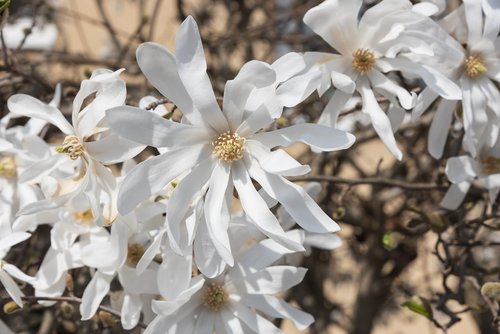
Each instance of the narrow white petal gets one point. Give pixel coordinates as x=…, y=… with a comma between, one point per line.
x=381, y=82
x=281, y=163
x=152, y=175
x=206, y=257
x=25, y=105
x=256, y=208
x=273, y=279
x=94, y=293
x=439, y=128
x=254, y=321
x=182, y=197
x=159, y=66
x=298, y=88
x=296, y=201
x=217, y=210
x=333, y=108
x=455, y=195
x=13, y=239
x=379, y=119
x=151, y=129
x=320, y=137
x=174, y=274
x=113, y=149
x=192, y=69
x=131, y=311
x=462, y=168
x=12, y=289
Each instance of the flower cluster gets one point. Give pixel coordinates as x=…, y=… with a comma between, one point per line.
x=166, y=228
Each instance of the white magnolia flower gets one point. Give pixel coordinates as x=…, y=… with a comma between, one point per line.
x=462, y=171
x=220, y=150
x=239, y=300
x=87, y=140
x=476, y=68
x=367, y=49
x=7, y=270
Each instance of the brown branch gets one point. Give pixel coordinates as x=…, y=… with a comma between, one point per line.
x=371, y=180
x=75, y=300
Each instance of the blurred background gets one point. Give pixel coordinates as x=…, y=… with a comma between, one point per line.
x=397, y=243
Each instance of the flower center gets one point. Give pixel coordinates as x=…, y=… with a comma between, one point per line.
x=71, y=146
x=474, y=66
x=363, y=60
x=134, y=254
x=229, y=146
x=8, y=167
x=84, y=217
x=215, y=297
x=491, y=165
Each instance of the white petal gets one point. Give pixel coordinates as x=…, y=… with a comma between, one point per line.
x=379, y=119
x=113, y=149
x=12, y=289
x=288, y=65
x=216, y=210
x=298, y=88
x=254, y=321
x=150, y=253
x=460, y=169
x=272, y=280
x=25, y=105
x=205, y=323
x=491, y=10
x=257, y=120
x=474, y=19
x=340, y=33
x=206, y=257
x=268, y=251
x=154, y=130
x=333, y=108
x=109, y=96
x=424, y=100
x=281, y=163
x=174, y=274
x=322, y=241
x=192, y=69
x=159, y=66
x=296, y=201
x=278, y=308
x=432, y=77
x=131, y=311
x=145, y=283
x=256, y=208
x=439, y=128
x=152, y=175
x=254, y=74
x=317, y=136
x=381, y=82
x=455, y=195
x=183, y=195
x=343, y=82
x=13, y=239
x=94, y=293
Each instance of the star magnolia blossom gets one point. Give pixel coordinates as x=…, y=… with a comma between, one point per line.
x=464, y=170
x=367, y=48
x=7, y=269
x=220, y=150
x=477, y=70
x=236, y=300
x=86, y=140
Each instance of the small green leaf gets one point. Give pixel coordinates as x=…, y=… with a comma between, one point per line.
x=419, y=305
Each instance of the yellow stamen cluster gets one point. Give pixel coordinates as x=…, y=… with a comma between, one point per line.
x=71, y=146
x=135, y=253
x=229, y=146
x=491, y=165
x=84, y=217
x=8, y=167
x=474, y=66
x=363, y=61
x=215, y=297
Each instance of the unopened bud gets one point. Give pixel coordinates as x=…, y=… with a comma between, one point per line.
x=107, y=318
x=491, y=290
x=10, y=307
x=67, y=310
